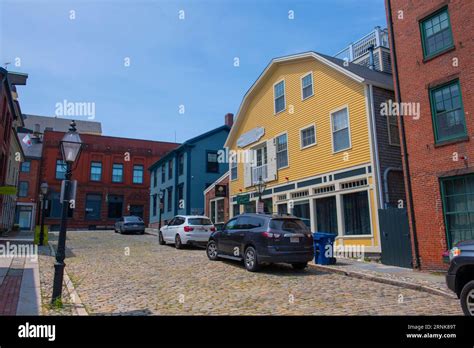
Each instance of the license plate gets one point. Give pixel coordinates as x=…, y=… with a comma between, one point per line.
x=294, y=240
x=135, y=225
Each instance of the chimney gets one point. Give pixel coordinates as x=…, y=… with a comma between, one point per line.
x=229, y=119
x=371, y=57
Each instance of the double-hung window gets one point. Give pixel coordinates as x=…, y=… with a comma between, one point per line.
x=96, y=171
x=436, y=33
x=447, y=111
x=308, y=136
x=281, y=143
x=307, y=86
x=23, y=189
x=233, y=168
x=117, y=172
x=138, y=174
x=340, y=130
x=212, y=165
x=279, y=95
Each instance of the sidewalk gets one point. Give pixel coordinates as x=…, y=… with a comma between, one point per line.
x=19, y=280
x=429, y=282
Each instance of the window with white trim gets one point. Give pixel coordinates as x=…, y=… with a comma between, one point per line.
x=279, y=95
x=307, y=86
x=281, y=143
x=233, y=168
x=340, y=130
x=308, y=136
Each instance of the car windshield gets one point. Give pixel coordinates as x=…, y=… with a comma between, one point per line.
x=132, y=219
x=289, y=225
x=199, y=221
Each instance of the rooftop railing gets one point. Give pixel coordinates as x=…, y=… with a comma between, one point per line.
x=377, y=37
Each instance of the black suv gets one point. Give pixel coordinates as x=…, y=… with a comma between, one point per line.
x=460, y=276
x=261, y=239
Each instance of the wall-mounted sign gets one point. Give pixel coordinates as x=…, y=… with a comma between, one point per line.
x=250, y=137
x=220, y=190
x=242, y=199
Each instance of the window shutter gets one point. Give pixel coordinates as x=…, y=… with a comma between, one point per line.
x=272, y=162
x=248, y=170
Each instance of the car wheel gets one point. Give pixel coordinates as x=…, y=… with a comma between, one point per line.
x=299, y=266
x=251, y=259
x=121, y=230
x=115, y=230
x=467, y=299
x=177, y=242
x=211, y=250
x=161, y=241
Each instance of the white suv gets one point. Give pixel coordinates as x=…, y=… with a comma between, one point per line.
x=186, y=229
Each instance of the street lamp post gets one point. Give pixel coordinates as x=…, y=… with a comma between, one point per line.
x=260, y=187
x=71, y=146
x=44, y=192
x=160, y=197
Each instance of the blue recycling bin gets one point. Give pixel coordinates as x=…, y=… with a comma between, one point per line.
x=324, y=248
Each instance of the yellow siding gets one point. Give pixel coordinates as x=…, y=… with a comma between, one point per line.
x=332, y=90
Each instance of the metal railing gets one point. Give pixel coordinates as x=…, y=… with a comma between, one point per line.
x=377, y=37
x=259, y=173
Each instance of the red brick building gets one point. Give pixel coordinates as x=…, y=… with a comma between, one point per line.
x=27, y=203
x=432, y=50
x=112, y=179
x=216, y=200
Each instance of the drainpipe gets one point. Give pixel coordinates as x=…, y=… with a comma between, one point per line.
x=404, y=142
x=385, y=183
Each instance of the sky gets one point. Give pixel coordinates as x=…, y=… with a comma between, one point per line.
x=160, y=69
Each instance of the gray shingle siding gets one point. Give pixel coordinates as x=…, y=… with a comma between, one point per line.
x=389, y=155
x=387, y=62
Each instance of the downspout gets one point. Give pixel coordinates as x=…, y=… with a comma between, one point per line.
x=404, y=142
x=385, y=183
x=375, y=146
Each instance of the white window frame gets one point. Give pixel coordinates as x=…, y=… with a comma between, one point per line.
x=301, y=136
x=348, y=127
x=231, y=164
x=312, y=85
x=284, y=97
x=215, y=200
x=287, y=150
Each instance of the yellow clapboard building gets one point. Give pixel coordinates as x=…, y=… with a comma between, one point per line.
x=310, y=135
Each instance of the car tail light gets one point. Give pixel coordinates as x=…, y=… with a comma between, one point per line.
x=213, y=229
x=271, y=234
x=188, y=229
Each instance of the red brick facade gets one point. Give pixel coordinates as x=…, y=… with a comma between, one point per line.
x=429, y=161
x=106, y=150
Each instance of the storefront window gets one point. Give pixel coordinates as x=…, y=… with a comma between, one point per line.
x=301, y=210
x=326, y=215
x=356, y=213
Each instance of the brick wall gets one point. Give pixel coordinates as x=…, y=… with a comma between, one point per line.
x=107, y=150
x=427, y=161
x=211, y=195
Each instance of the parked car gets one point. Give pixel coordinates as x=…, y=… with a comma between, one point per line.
x=186, y=229
x=128, y=224
x=460, y=276
x=260, y=239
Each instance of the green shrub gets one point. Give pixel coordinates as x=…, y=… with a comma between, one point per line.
x=37, y=233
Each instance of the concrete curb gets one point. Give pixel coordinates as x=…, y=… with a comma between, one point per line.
x=399, y=283
x=79, y=307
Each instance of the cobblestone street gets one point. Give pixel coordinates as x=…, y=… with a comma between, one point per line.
x=132, y=274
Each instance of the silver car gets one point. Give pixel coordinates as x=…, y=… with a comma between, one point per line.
x=129, y=224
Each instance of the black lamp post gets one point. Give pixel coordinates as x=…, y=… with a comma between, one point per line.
x=260, y=187
x=44, y=192
x=71, y=146
x=160, y=197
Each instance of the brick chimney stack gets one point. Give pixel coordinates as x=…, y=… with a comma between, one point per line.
x=229, y=119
